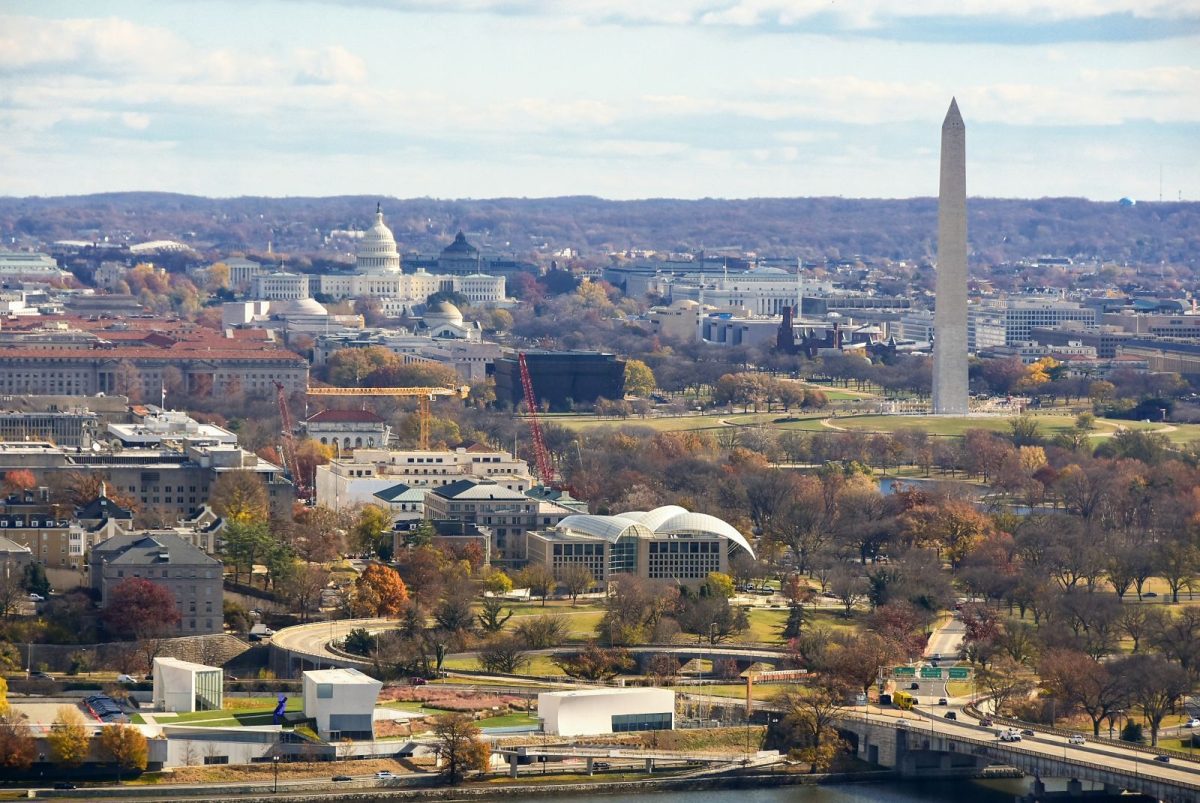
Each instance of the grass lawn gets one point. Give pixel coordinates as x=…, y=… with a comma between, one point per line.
x=538, y=665
x=239, y=711
x=761, y=691
x=765, y=625
x=507, y=721
x=959, y=688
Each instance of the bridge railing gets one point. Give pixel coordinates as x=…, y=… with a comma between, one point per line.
x=1141, y=748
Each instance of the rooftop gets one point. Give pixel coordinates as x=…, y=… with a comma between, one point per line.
x=339, y=676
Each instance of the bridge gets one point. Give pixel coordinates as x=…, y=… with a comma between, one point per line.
x=926, y=744
x=302, y=647
x=634, y=757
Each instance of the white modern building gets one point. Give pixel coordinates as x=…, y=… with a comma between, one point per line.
x=281, y=286
x=589, y=712
x=342, y=701
x=182, y=686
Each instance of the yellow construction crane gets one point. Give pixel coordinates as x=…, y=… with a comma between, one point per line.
x=424, y=395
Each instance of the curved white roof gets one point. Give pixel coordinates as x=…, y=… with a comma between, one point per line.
x=654, y=518
x=610, y=528
x=702, y=523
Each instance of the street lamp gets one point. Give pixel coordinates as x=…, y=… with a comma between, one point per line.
x=275, y=761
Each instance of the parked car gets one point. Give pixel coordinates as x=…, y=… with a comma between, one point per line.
x=1163, y=759
x=342, y=778
x=384, y=775
x=1194, y=722
x=126, y=679
x=1076, y=738
x=36, y=598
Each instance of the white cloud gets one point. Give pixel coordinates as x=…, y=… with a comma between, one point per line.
x=330, y=65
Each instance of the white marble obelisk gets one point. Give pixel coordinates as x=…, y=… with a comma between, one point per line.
x=950, y=303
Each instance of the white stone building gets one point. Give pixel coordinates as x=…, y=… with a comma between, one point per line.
x=183, y=687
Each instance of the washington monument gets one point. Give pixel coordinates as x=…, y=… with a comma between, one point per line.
x=950, y=302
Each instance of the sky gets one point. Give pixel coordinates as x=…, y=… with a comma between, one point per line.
x=615, y=98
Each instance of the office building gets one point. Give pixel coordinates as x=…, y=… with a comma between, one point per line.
x=193, y=578
x=667, y=543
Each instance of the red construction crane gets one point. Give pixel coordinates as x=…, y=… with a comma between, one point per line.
x=545, y=467
x=288, y=444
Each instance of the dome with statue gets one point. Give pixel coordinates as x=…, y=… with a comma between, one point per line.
x=377, y=249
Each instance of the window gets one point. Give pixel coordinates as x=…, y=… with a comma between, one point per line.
x=622, y=723
x=216, y=759
x=324, y=691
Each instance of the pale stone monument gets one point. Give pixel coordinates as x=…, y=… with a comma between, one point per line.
x=950, y=303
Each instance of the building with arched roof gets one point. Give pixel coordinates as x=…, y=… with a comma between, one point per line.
x=667, y=543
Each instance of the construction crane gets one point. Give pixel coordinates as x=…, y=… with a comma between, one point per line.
x=423, y=395
x=545, y=467
x=288, y=443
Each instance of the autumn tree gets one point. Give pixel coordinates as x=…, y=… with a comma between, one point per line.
x=138, y=609
x=19, y=480
x=459, y=747
x=371, y=531
x=304, y=587
x=68, y=738
x=126, y=746
x=1080, y=680
x=538, y=579
x=577, y=579
x=952, y=527
x=1156, y=686
x=809, y=714
x=18, y=748
x=379, y=591
x=240, y=496
x=503, y=654
x=318, y=534
x=595, y=663
x=639, y=379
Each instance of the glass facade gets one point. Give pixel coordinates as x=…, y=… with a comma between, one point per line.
x=622, y=723
x=622, y=557
x=209, y=690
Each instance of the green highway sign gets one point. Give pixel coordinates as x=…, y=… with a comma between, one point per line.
x=931, y=672
x=959, y=673
x=904, y=671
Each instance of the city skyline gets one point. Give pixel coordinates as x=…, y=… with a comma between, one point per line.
x=1094, y=98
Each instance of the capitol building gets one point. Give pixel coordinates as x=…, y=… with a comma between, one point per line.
x=377, y=274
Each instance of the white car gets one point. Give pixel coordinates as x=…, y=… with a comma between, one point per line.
x=1010, y=736
x=384, y=775
x=1194, y=722
x=36, y=598
x=126, y=679
x=1077, y=739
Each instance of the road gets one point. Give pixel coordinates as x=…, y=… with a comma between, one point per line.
x=946, y=641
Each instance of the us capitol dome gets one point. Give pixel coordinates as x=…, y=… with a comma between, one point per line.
x=377, y=249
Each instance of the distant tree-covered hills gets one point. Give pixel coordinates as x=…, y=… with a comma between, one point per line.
x=1001, y=230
